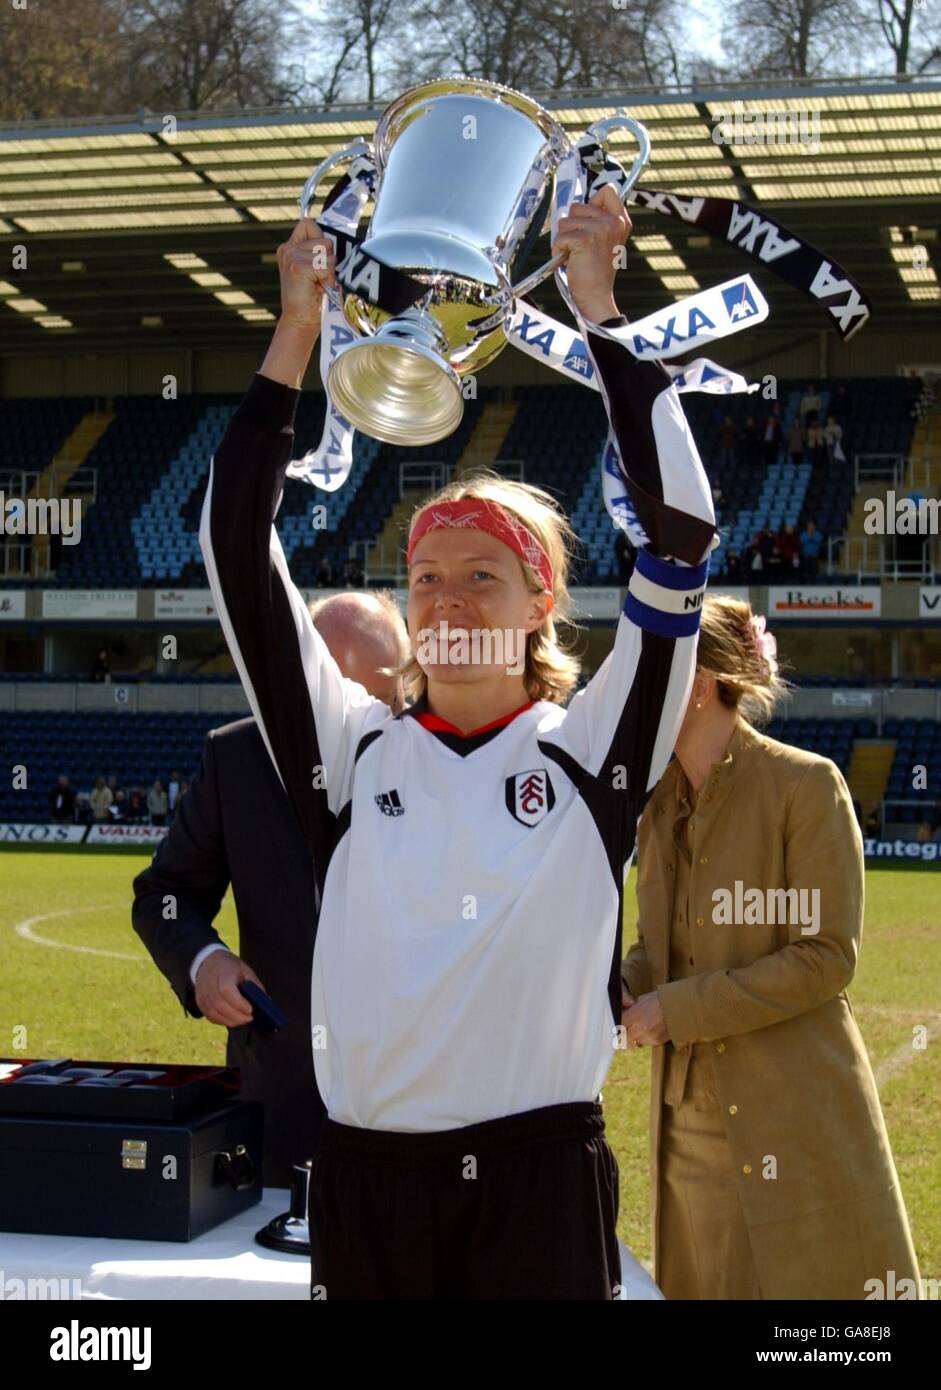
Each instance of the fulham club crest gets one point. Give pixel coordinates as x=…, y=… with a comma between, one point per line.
x=529, y=796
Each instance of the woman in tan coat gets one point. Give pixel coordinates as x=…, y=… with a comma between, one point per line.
x=772, y=1175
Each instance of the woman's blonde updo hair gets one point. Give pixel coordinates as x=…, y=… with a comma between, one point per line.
x=730, y=649
x=551, y=669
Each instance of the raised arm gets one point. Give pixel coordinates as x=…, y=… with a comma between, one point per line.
x=310, y=717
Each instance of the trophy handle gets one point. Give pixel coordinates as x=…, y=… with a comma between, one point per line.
x=600, y=130
x=352, y=151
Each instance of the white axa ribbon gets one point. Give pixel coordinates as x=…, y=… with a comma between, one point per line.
x=680, y=328
x=563, y=348
x=328, y=466
x=705, y=316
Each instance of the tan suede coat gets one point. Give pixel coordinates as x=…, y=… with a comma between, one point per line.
x=815, y=1173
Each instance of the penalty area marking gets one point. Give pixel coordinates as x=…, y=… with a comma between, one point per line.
x=25, y=930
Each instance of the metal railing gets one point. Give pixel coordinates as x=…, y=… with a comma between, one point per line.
x=419, y=476
x=867, y=556
x=888, y=467
x=21, y=560
x=901, y=801
x=50, y=483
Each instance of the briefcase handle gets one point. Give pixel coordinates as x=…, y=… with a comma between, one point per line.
x=237, y=1168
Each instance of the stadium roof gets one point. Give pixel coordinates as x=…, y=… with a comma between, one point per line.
x=146, y=233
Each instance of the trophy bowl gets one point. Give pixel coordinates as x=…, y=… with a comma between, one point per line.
x=464, y=176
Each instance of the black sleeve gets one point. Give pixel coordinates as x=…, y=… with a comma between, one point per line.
x=190, y=866
x=310, y=717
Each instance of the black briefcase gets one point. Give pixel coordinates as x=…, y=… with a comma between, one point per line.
x=130, y=1177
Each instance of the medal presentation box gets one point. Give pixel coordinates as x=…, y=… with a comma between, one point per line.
x=141, y=1152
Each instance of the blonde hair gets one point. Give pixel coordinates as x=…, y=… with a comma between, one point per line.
x=551, y=670
x=745, y=680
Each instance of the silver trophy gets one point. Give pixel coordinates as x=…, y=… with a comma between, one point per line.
x=464, y=178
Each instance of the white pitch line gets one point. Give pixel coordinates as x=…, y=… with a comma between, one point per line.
x=25, y=930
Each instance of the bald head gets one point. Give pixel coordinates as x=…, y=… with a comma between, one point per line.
x=364, y=632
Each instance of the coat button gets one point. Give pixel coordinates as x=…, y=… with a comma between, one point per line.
x=720, y=1047
x=700, y=921
x=704, y=860
x=733, y=1109
x=746, y=1168
x=692, y=823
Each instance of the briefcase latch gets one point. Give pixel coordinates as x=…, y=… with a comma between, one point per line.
x=236, y=1168
x=134, y=1153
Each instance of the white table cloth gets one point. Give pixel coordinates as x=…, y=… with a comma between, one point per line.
x=225, y=1263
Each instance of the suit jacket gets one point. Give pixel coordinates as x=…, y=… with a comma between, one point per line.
x=810, y=1152
x=236, y=824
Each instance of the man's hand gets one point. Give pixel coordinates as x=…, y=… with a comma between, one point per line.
x=306, y=263
x=627, y=1001
x=645, y=1023
x=590, y=236
x=217, y=989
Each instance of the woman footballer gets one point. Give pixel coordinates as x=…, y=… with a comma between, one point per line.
x=465, y=991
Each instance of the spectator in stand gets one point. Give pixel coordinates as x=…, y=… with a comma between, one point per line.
x=765, y=542
x=795, y=441
x=772, y=436
x=119, y=806
x=157, y=803
x=816, y=445
x=324, y=573
x=353, y=577
x=840, y=406
x=749, y=445
x=833, y=440
x=625, y=555
x=810, y=403
x=733, y=567
x=874, y=824
x=717, y=498
x=789, y=547
x=185, y=787
x=173, y=792
x=136, y=805
x=100, y=667
x=62, y=802
x=83, y=815
x=100, y=800
x=775, y=564
x=811, y=542
x=727, y=439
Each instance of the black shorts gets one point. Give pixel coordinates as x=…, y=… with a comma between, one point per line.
x=523, y=1207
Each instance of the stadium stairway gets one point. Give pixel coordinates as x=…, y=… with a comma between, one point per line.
x=483, y=448
x=868, y=772
x=391, y=538
x=55, y=478
x=924, y=468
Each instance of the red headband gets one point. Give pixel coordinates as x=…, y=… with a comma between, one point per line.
x=475, y=514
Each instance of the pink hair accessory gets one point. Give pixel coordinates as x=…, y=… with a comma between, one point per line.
x=765, y=643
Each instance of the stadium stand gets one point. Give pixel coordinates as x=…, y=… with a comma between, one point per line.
x=152, y=462
x=137, y=749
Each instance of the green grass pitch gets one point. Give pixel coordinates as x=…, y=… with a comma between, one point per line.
x=77, y=979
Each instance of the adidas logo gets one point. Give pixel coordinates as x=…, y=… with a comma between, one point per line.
x=389, y=804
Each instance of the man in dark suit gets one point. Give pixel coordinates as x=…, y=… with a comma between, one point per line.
x=235, y=824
